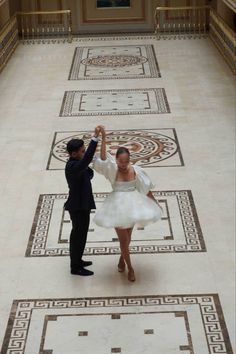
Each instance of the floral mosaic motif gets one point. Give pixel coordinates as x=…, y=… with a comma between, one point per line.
x=144, y=149
x=148, y=148
x=114, y=60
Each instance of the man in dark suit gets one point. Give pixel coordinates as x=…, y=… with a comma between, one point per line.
x=80, y=200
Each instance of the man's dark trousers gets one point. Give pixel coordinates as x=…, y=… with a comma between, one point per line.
x=80, y=202
x=78, y=236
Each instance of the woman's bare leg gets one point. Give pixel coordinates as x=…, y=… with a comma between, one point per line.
x=121, y=264
x=130, y=230
x=124, y=237
x=131, y=275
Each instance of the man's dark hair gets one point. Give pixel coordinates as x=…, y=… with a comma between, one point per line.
x=122, y=150
x=74, y=145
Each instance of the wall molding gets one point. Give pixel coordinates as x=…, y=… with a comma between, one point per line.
x=99, y=16
x=231, y=4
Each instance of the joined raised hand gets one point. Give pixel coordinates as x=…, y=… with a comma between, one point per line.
x=103, y=131
x=100, y=129
x=97, y=131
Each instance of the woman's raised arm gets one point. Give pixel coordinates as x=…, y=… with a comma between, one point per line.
x=103, y=154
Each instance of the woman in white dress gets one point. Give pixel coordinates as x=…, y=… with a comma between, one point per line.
x=130, y=203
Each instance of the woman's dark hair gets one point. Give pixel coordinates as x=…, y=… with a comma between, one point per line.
x=74, y=145
x=122, y=150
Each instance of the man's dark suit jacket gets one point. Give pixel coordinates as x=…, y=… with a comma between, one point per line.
x=78, y=176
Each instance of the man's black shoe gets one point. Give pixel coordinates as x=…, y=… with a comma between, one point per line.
x=82, y=271
x=86, y=263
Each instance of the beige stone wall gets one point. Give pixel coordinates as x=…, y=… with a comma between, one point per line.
x=14, y=6
x=226, y=13
x=88, y=19
x=43, y=5
x=85, y=18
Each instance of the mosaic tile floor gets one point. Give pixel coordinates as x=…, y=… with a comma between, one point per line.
x=177, y=114
x=117, y=61
x=51, y=228
x=192, y=323
x=110, y=102
x=149, y=148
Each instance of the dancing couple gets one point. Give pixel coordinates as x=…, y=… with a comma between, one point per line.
x=130, y=203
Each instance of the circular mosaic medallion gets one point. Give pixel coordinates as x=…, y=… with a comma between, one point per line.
x=146, y=148
x=114, y=60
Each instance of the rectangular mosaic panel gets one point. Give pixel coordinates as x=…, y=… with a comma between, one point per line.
x=188, y=324
x=114, y=62
x=178, y=230
x=114, y=102
x=148, y=147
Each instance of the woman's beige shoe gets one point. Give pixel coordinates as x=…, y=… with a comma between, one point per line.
x=121, y=265
x=131, y=276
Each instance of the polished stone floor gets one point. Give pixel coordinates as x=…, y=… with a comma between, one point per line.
x=172, y=103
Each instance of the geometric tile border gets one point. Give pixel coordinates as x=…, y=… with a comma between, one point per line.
x=114, y=102
x=195, y=323
x=148, y=147
x=178, y=231
x=114, y=62
x=126, y=37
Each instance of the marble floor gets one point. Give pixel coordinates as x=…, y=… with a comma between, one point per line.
x=172, y=103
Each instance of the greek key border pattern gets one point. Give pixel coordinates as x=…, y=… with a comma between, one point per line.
x=193, y=235
x=151, y=56
x=133, y=36
x=95, y=38
x=143, y=162
x=213, y=321
x=114, y=37
x=160, y=95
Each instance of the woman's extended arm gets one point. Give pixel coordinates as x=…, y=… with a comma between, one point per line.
x=103, y=154
x=105, y=164
x=150, y=195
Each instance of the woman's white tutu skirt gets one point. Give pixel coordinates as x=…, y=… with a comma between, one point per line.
x=126, y=209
